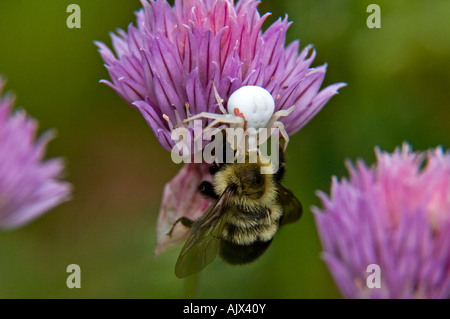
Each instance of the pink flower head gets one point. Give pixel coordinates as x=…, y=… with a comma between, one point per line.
x=395, y=214
x=29, y=186
x=166, y=65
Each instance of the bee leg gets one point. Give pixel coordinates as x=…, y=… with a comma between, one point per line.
x=207, y=189
x=281, y=169
x=280, y=173
x=184, y=221
x=214, y=168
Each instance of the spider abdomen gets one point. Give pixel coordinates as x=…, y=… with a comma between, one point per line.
x=253, y=103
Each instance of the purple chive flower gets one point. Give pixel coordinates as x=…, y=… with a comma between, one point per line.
x=29, y=186
x=395, y=214
x=168, y=64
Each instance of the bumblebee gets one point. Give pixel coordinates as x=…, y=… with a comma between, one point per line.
x=248, y=209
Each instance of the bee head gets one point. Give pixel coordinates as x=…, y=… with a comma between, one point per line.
x=252, y=182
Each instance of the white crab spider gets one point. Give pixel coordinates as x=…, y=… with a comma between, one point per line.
x=250, y=107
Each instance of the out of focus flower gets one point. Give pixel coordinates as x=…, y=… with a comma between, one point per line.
x=168, y=64
x=29, y=186
x=395, y=214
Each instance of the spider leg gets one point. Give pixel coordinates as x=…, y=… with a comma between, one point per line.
x=253, y=140
x=238, y=122
x=239, y=150
x=225, y=118
x=278, y=114
x=215, y=131
x=286, y=112
x=263, y=134
x=238, y=143
x=209, y=126
x=219, y=99
x=205, y=115
x=220, y=128
x=280, y=126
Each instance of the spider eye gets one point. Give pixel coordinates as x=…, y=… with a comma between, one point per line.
x=254, y=103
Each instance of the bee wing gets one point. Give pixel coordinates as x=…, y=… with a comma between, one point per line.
x=292, y=208
x=202, y=245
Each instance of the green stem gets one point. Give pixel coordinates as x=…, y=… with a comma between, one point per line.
x=191, y=287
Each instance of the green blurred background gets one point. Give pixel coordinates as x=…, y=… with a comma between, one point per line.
x=398, y=90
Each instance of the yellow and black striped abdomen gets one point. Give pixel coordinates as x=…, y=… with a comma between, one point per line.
x=248, y=234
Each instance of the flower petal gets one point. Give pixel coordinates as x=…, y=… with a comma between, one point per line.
x=181, y=198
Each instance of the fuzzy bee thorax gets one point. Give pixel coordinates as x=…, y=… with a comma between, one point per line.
x=251, y=187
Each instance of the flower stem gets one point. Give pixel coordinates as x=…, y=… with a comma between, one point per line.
x=191, y=287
